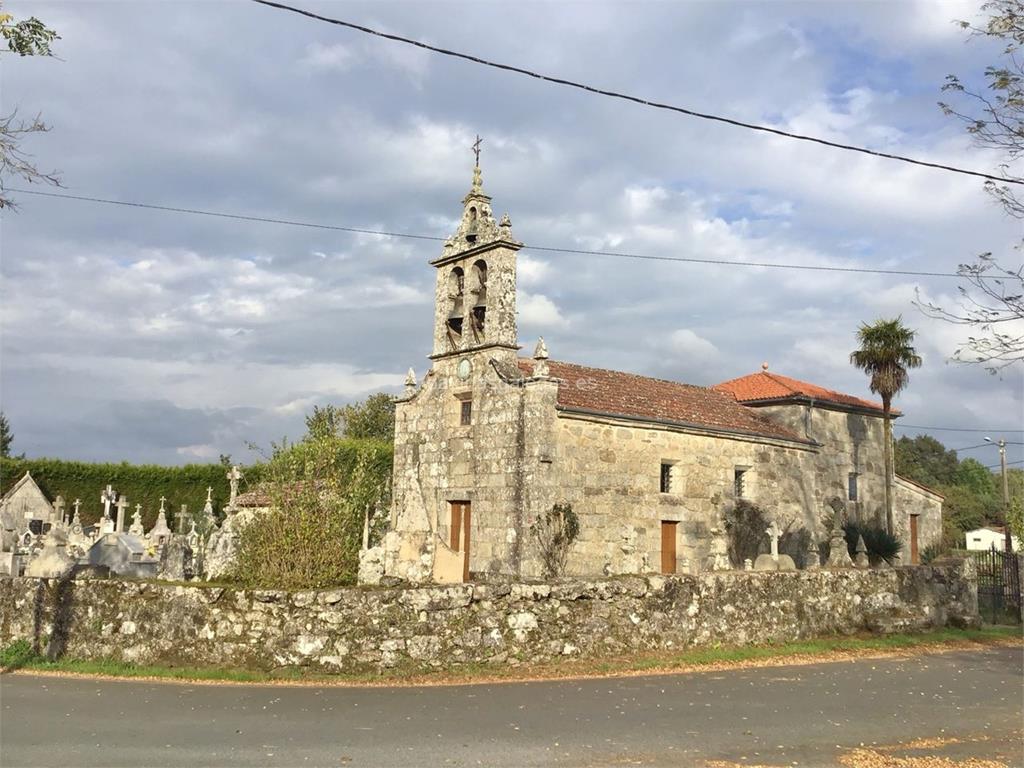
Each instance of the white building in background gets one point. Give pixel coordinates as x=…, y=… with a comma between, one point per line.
x=988, y=537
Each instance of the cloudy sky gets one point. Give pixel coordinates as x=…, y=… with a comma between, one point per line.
x=140, y=335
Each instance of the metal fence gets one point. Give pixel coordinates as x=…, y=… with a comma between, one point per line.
x=998, y=586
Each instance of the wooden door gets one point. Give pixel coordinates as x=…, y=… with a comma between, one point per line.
x=668, y=546
x=915, y=557
x=459, y=535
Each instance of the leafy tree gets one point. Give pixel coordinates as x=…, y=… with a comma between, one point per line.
x=991, y=300
x=966, y=510
x=324, y=422
x=886, y=354
x=373, y=418
x=925, y=460
x=28, y=37
x=975, y=477
x=1015, y=517
x=6, y=436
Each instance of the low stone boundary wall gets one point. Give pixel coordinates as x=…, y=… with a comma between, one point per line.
x=367, y=629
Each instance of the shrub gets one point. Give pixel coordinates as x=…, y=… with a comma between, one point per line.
x=321, y=490
x=745, y=526
x=16, y=654
x=880, y=544
x=555, y=532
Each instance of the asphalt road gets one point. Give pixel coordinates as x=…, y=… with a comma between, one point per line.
x=796, y=715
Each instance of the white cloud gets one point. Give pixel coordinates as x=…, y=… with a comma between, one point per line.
x=685, y=342
x=538, y=311
x=328, y=58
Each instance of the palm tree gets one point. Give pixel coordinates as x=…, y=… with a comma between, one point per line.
x=886, y=354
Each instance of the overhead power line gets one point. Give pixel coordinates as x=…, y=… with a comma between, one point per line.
x=958, y=429
x=636, y=99
x=999, y=466
x=549, y=249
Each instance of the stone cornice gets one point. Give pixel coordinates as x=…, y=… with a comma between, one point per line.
x=685, y=428
x=512, y=245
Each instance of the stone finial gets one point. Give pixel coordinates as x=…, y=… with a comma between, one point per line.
x=862, y=553
x=540, y=358
x=540, y=352
x=764, y=366
x=748, y=564
x=410, y=383
x=478, y=182
x=506, y=222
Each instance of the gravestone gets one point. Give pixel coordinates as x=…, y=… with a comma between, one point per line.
x=862, y=554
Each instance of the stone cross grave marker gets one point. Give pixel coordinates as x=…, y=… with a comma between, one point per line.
x=774, y=533
x=77, y=504
x=181, y=519
x=122, y=505
x=162, y=500
x=108, y=497
x=209, y=495
x=58, y=508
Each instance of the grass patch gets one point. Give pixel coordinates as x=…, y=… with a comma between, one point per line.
x=19, y=655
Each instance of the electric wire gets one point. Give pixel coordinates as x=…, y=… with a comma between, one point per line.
x=637, y=99
x=547, y=249
x=958, y=429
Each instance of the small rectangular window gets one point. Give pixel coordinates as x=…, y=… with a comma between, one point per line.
x=852, y=490
x=666, y=477
x=466, y=413
x=737, y=481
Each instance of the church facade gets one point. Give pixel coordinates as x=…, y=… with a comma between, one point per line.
x=489, y=440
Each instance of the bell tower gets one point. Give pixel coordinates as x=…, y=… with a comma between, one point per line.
x=475, y=295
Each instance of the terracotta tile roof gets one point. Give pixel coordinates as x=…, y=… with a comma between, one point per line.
x=764, y=387
x=256, y=498
x=615, y=393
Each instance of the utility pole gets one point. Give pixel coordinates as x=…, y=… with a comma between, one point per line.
x=1008, y=540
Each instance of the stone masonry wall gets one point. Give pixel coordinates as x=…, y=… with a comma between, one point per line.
x=617, y=495
x=620, y=505
x=360, y=630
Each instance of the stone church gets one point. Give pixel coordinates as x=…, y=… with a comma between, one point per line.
x=490, y=440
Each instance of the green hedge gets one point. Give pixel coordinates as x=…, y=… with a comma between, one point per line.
x=142, y=483
x=320, y=490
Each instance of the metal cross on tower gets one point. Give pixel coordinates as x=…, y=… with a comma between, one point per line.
x=476, y=148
